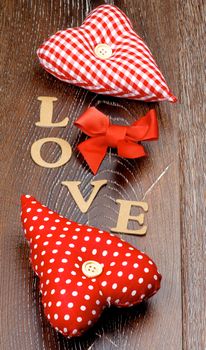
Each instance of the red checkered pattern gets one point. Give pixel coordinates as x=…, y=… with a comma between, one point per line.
x=130, y=72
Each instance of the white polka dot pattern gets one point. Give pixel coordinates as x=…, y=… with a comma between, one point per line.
x=130, y=72
x=73, y=301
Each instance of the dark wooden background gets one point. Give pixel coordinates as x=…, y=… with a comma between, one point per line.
x=171, y=180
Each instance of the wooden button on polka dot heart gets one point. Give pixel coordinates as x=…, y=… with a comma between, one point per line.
x=83, y=269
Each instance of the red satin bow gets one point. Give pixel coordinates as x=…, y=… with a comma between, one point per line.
x=103, y=135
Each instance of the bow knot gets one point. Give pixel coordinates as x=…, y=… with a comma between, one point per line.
x=115, y=134
x=104, y=134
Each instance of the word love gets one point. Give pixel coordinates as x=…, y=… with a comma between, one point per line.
x=46, y=116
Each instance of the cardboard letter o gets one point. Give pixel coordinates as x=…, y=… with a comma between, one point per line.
x=63, y=159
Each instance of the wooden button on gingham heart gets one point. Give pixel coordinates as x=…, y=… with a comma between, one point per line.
x=106, y=56
x=82, y=269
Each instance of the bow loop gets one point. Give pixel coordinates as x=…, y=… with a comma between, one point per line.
x=93, y=122
x=103, y=135
x=145, y=128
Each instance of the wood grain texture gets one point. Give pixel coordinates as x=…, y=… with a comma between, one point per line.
x=192, y=151
x=171, y=181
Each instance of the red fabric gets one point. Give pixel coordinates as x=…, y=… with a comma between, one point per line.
x=131, y=72
x=58, y=248
x=103, y=135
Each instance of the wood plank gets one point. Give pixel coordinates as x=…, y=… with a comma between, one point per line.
x=192, y=139
x=157, y=324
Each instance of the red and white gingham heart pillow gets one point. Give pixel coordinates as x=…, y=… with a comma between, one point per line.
x=106, y=56
x=82, y=269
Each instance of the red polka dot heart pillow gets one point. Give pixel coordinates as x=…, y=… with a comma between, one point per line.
x=82, y=269
x=106, y=56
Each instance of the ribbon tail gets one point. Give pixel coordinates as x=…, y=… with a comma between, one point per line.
x=93, y=150
x=128, y=149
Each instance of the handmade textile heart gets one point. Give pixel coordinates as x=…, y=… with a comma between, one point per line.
x=106, y=56
x=83, y=269
x=103, y=135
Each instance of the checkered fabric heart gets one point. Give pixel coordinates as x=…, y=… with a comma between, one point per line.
x=82, y=269
x=106, y=56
